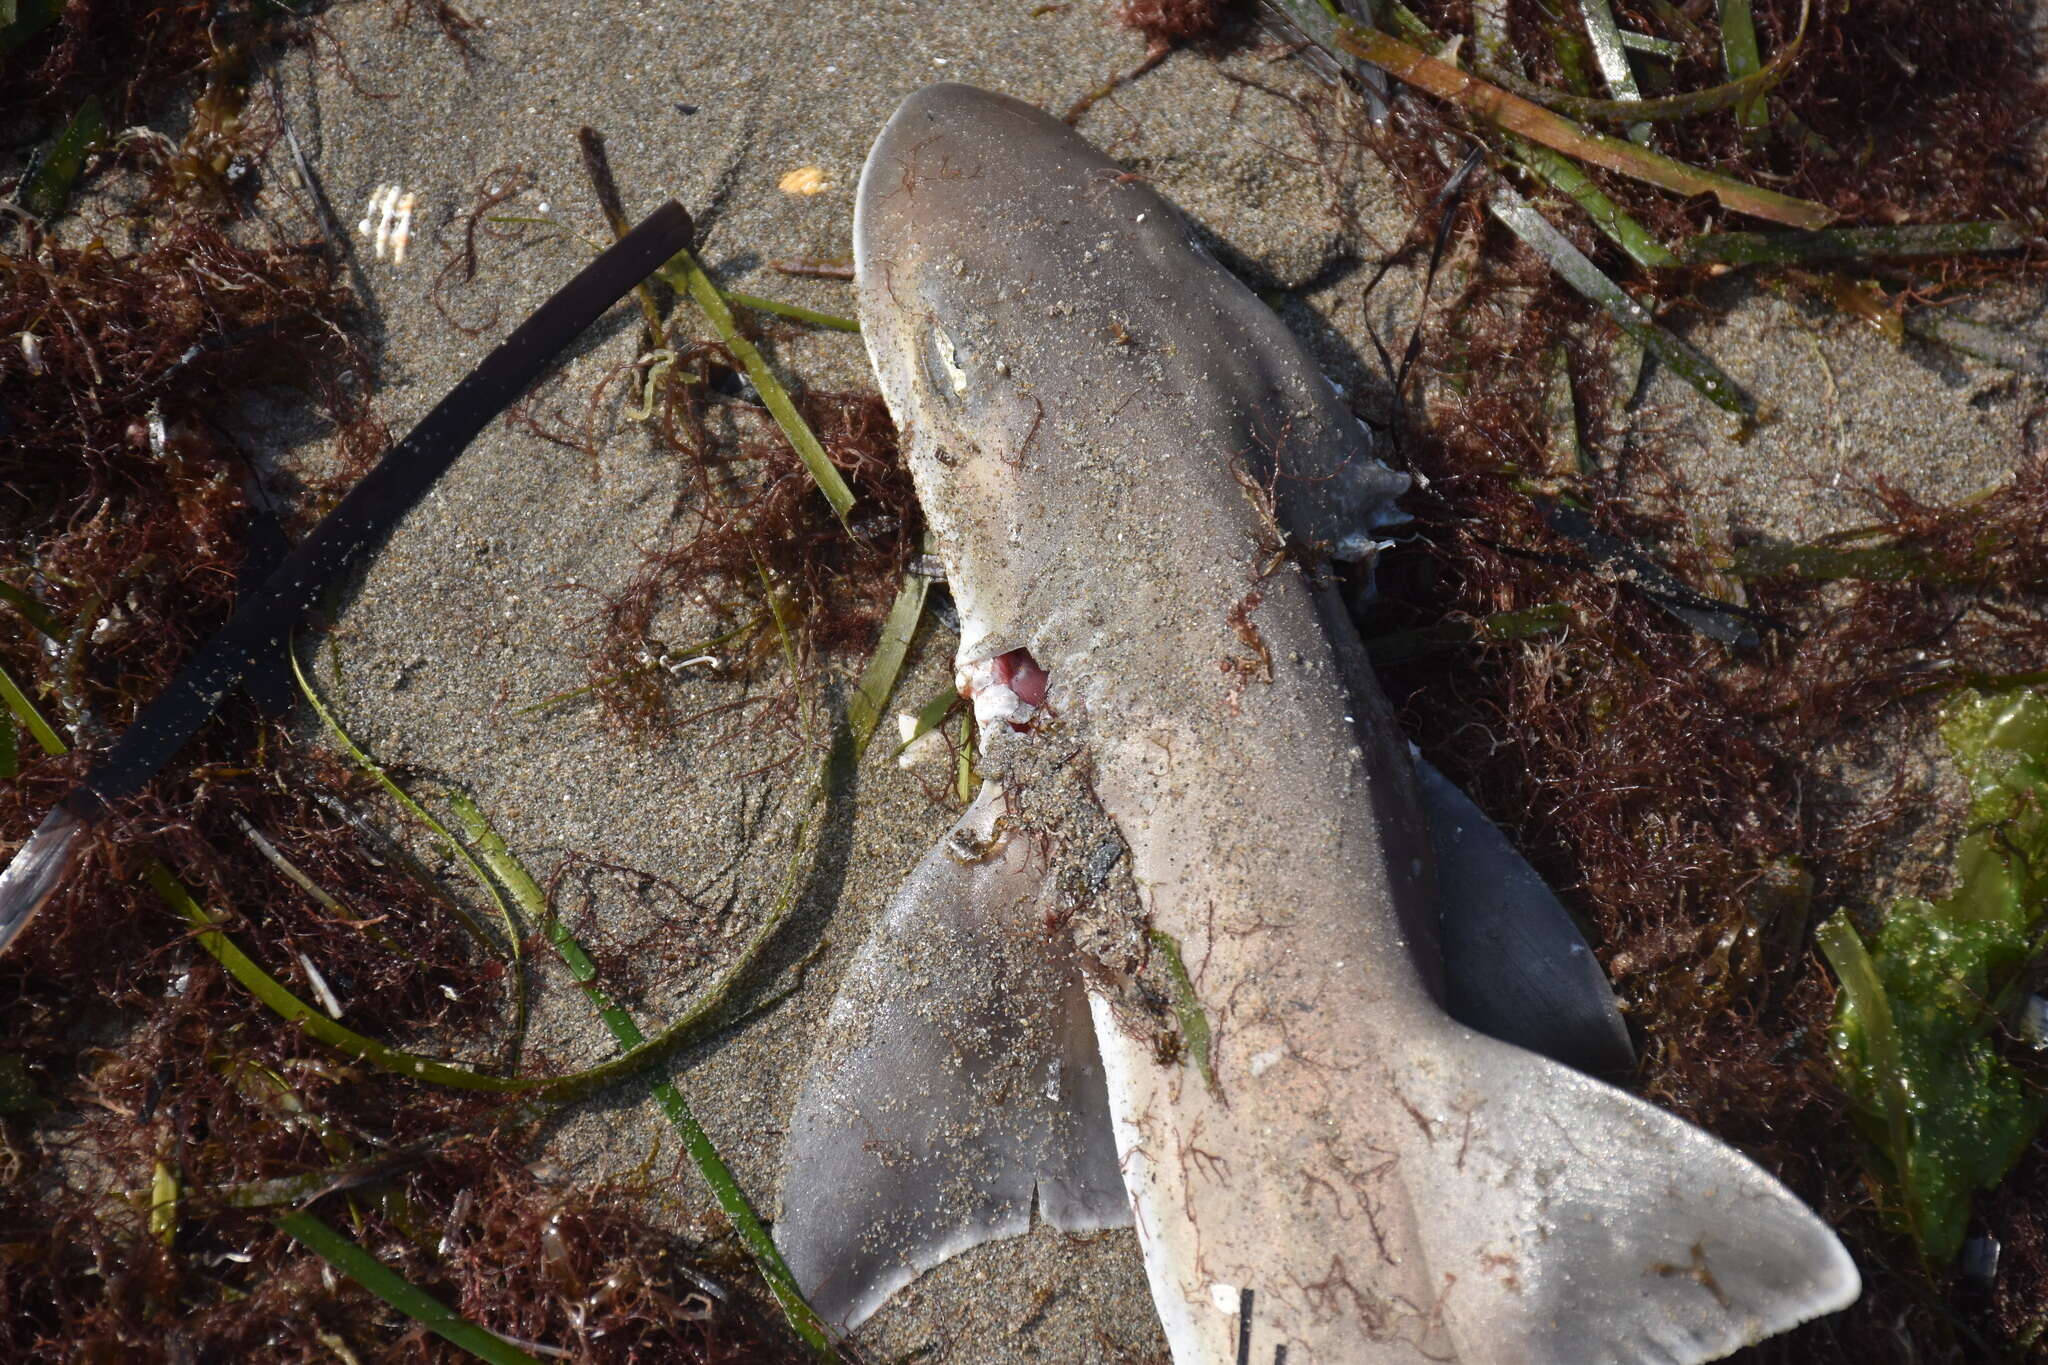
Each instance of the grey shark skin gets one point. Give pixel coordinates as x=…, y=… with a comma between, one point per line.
x=1211, y=824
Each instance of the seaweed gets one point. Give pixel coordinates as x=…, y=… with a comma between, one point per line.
x=1928, y=1005
x=423, y=1308
x=870, y=698
x=752, y=538
x=1188, y=1013
x=1526, y=119
x=129, y=53
x=1577, y=270
x=173, y=1019
x=45, y=192
x=1668, y=783
x=1854, y=244
x=1708, y=804
x=1174, y=21
x=635, y=1048
x=752, y=542
x=1516, y=114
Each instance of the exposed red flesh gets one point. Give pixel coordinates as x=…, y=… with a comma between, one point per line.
x=1019, y=672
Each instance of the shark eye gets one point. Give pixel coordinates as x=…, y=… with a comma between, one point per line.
x=942, y=364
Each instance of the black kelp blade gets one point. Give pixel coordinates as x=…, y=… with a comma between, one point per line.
x=1727, y=622
x=369, y=512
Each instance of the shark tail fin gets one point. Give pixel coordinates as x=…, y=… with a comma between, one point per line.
x=1585, y=1226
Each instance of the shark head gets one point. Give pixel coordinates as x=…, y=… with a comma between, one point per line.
x=1051, y=334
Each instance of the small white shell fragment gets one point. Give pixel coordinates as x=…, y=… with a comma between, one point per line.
x=387, y=210
x=928, y=747
x=1226, y=1298
x=993, y=700
x=368, y=227
x=387, y=221
x=401, y=228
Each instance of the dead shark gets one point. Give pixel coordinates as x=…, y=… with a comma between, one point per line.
x=1181, y=961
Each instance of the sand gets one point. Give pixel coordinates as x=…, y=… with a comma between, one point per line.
x=478, y=604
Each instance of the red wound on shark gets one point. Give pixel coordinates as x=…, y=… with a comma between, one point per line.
x=1010, y=687
x=1018, y=671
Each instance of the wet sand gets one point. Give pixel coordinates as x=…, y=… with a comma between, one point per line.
x=479, y=603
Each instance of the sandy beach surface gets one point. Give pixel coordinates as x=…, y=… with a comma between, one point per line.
x=480, y=603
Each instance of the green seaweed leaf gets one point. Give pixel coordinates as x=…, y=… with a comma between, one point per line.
x=1740, y=56
x=514, y=952
x=1187, y=1006
x=18, y=1093
x=166, y=1191
x=25, y=711
x=401, y=1293
x=928, y=718
x=1545, y=618
x=1654, y=46
x=38, y=615
x=1562, y=174
x=1916, y=1026
x=1608, y=53
x=273, y=993
x=684, y=275
x=1855, y=244
x=870, y=699
x=48, y=190
x=21, y=20
x=1517, y=114
x=1578, y=271
x=265, y=987
x=638, y=1052
x=795, y=312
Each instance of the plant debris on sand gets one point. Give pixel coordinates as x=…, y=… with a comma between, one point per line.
x=1705, y=803
x=156, y=1118
x=753, y=542
x=1710, y=748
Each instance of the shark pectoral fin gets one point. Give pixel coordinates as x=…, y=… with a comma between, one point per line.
x=1578, y=1225
x=1516, y=966
x=1080, y=1183
x=947, y=1093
